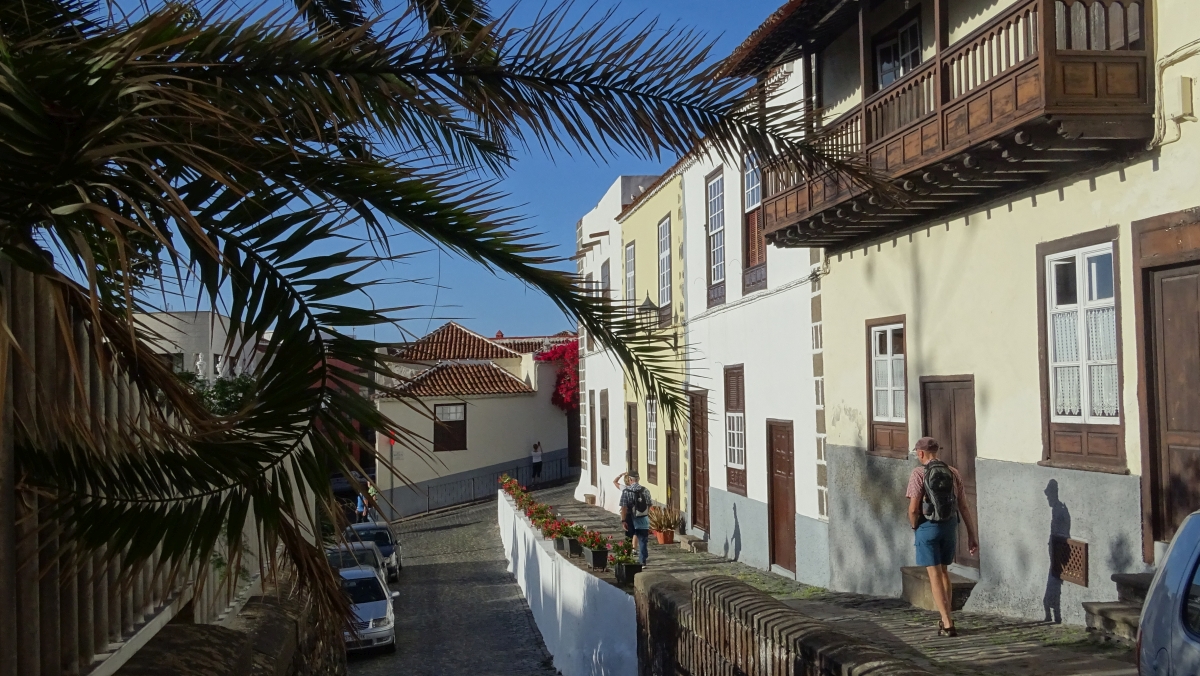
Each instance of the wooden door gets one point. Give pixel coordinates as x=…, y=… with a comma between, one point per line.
x=699, y=465
x=948, y=415
x=782, y=497
x=673, y=469
x=631, y=437
x=1176, y=407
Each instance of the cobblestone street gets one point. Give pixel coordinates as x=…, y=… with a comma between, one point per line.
x=459, y=611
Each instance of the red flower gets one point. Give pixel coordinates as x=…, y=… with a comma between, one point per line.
x=566, y=385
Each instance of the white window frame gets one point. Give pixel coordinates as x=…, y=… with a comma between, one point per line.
x=664, y=262
x=908, y=56
x=735, y=439
x=715, y=201
x=605, y=279
x=753, y=179
x=1083, y=360
x=652, y=431
x=891, y=387
x=450, y=412
x=631, y=273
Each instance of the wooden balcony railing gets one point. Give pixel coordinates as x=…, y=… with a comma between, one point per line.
x=1082, y=62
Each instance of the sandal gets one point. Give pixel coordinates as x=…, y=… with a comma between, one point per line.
x=947, y=631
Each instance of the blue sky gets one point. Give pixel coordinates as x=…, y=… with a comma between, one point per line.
x=553, y=192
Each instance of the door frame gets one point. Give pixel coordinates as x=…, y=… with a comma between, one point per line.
x=1166, y=240
x=791, y=427
x=964, y=378
x=696, y=448
x=674, y=465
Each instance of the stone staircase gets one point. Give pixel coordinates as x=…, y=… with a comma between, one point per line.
x=916, y=589
x=1118, y=619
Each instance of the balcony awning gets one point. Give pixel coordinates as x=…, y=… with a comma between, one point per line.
x=797, y=26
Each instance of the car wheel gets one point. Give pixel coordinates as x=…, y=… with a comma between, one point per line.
x=392, y=646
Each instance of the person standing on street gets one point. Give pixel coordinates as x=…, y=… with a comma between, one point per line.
x=936, y=500
x=360, y=510
x=635, y=513
x=535, y=456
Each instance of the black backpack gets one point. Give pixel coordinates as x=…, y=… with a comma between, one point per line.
x=641, y=501
x=941, y=501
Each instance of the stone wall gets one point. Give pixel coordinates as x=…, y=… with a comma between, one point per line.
x=720, y=626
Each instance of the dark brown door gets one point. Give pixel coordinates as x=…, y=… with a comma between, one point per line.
x=948, y=415
x=1176, y=409
x=631, y=437
x=673, y=469
x=573, y=432
x=592, y=469
x=699, y=444
x=782, y=496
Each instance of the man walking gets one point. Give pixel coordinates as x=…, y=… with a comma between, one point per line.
x=535, y=459
x=635, y=512
x=935, y=501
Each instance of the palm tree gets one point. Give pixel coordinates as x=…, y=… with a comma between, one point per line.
x=264, y=165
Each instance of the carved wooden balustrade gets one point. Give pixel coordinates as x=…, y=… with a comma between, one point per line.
x=1057, y=70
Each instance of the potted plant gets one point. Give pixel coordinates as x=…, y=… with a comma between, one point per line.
x=551, y=531
x=663, y=522
x=625, y=562
x=595, y=549
x=568, y=539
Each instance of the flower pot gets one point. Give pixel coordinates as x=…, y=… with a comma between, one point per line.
x=597, y=559
x=574, y=548
x=560, y=544
x=665, y=537
x=625, y=573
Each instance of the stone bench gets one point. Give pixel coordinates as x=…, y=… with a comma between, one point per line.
x=916, y=589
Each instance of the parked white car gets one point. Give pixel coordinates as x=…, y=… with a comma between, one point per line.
x=1169, y=629
x=374, y=621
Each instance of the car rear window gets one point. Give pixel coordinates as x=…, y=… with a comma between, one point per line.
x=348, y=559
x=363, y=590
x=379, y=536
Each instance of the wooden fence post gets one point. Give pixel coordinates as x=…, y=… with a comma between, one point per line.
x=8, y=468
x=24, y=397
x=46, y=363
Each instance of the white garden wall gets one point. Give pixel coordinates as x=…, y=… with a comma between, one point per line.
x=588, y=625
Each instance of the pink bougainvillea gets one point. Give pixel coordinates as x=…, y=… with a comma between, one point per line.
x=566, y=386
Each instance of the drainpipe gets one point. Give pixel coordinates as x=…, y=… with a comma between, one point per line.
x=1160, y=118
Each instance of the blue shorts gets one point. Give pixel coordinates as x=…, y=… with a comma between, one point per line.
x=936, y=542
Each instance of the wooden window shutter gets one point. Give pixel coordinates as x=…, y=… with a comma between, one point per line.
x=604, y=441
x=735, y=389
x=756, y=244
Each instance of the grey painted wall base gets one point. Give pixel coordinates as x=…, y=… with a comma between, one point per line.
x=471, y=485
x=869, y=535
x=1020, y=505
x=812, y=551
x=738, y=528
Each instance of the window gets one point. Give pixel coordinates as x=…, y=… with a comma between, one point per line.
x=589, y=288
x=887, y=396
x=754, y=276
x=753, y=183
x=631, y=274
x=603, y=427
x=605, y=281
x=735, y=429
x=716, y=230
x=450, y=427
x=887, y=374
x=651, y=431
x=584, y=448
x=664, y=262
x=1079, y=341
x=1083, y=337
x=895, y=57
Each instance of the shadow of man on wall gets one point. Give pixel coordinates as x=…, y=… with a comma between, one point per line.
x=1060, y=530
x=735, y=538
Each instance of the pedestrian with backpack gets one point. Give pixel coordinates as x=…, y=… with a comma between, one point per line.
x=635, y=513
x=936, y=500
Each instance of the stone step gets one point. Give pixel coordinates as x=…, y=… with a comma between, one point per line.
x=1133, y=587
x=916, y=589
x=691, y=543
x=1114, y=619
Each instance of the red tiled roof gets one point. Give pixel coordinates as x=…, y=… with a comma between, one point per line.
x=776, y=37
x=451, y=341
x=451, y=380
x=535, y=344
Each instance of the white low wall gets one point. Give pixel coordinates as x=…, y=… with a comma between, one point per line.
x=588, y=625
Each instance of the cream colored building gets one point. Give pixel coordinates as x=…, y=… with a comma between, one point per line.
x=1030, y=295
x=475, y=408
x=654, y=284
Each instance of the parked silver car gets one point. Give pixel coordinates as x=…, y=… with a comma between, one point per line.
x=374, y=621
x=353, y=554
x=1169, y=631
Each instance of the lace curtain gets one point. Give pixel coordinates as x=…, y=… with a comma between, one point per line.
x=1103, y=393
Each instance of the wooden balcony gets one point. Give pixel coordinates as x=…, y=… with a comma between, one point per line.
x=1046, y=89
